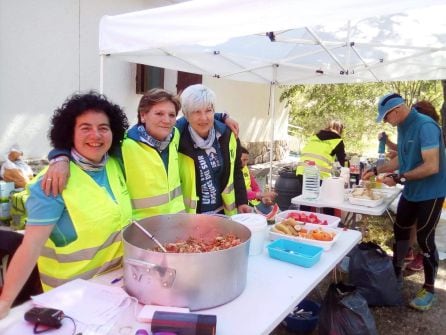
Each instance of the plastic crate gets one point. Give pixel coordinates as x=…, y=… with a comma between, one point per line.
x=306, y=322
x=332, y=221
x=295, y=252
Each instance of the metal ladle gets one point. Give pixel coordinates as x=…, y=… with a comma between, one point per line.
x=149, y=235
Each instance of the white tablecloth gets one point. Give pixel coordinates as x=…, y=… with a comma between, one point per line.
x=273, y=289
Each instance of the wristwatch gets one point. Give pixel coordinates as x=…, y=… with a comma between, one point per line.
x=399, y=178
x=402, y=178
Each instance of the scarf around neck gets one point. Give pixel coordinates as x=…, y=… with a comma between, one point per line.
x=86, y=164
x=201, y=142
x=151, y=141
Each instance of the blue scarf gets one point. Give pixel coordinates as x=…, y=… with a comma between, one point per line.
x=153, y=142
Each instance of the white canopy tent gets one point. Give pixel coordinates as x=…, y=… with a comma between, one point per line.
x=286, y=41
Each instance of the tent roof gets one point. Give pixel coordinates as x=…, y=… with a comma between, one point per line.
x=286, y=41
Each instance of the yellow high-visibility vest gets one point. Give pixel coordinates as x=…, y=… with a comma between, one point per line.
x=320, y=152
x=153, y=191
x=97, y=220
x=247, y=178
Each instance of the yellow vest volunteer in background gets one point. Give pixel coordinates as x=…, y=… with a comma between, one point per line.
x=77, y=234
x=323, y=148
x=253, y=191
x=319, y=151
x=247, y=178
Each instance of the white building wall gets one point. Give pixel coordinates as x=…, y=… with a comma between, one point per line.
x=49, y=50
x=248, y=103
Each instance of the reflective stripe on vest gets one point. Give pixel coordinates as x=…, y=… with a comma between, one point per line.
x=318, y=151
x=153, y=190
x=191, y=205
x=97, y=220
x=188, y=183
x=228, y=194
x=51, y=282
x=156, y=200
x=81, y=255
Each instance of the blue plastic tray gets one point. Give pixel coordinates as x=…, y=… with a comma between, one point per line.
x=295, y=252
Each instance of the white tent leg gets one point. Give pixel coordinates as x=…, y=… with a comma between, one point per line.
x=101, y=74
x=272, y=107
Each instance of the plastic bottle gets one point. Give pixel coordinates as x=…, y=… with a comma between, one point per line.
x=382, y=143
x=382, y=150
x=311, y=181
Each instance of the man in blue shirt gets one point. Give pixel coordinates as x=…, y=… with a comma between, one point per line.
x=421, y=163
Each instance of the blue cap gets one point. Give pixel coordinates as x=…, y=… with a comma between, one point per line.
x=387, y=103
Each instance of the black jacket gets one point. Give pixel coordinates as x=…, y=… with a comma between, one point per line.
x=187, y=148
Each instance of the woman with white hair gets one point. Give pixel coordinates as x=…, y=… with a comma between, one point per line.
x=209, y=158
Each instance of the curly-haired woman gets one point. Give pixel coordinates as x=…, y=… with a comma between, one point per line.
x=95, y=202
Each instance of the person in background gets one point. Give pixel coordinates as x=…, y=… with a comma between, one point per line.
x=421, y=163
x=209, y=153
x=415, y=261
x=78, y=233
x=423, y=107
x=255, y=194
x=323, y=148
x=15, y=170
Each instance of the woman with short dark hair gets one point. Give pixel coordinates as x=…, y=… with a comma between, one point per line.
x=95, y=202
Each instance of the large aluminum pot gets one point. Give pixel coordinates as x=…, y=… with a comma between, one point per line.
x=194, y=280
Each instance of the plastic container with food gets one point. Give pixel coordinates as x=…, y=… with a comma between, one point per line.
x=366, y=197
x=309, y=218
x=307, y=234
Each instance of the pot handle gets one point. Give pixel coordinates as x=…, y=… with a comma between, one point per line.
x=166, y=275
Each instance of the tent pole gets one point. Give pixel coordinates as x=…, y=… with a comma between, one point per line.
x=272, y=110
x=101, y=74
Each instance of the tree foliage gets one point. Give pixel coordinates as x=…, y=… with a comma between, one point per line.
x=312, y=106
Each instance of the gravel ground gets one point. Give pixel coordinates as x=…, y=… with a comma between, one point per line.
x=401, y=320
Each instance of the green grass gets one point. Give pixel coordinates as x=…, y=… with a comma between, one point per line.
x=378, y=229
